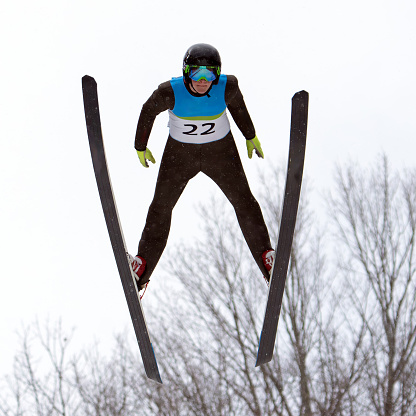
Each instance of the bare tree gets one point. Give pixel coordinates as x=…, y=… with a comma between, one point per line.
x=112, y=385
x=39, y=385
x=346, y=336
x=375, y=213
x=209, y=347
x=48, y=382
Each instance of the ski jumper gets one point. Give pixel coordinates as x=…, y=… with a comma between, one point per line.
x=200, y=140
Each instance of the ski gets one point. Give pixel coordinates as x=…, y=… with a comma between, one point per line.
x=92, y=117
x=299, y=121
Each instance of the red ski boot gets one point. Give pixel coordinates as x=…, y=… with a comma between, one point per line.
x=138, y=265
x=268, y=260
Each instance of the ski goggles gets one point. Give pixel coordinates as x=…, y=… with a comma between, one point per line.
x=208, y=73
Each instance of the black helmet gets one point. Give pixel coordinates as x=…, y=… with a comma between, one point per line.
x=201, y=54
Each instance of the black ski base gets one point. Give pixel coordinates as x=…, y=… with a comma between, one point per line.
x=92, y=117
x=299, y=121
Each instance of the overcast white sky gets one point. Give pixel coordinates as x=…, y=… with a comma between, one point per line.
x=356, y=58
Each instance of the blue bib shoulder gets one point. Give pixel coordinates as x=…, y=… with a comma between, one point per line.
x=186, y=105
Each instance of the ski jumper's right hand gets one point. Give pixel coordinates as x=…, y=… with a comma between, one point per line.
x=144, y=156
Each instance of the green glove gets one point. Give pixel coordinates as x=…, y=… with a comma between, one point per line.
x=144, y=156
x=254, y=144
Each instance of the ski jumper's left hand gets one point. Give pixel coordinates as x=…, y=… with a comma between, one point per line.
x=254, y=144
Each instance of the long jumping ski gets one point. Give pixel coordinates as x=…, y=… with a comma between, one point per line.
x=298, y=128
x=92, y=117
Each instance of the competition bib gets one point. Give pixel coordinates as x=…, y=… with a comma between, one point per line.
x=199, y=119
x=197, y=130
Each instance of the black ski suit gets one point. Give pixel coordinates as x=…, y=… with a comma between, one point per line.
x=181, y=161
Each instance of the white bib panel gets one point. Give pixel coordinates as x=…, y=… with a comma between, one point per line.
x=195, y=130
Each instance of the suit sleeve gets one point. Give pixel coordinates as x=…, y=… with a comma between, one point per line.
x=237, y=107
x=161, y=100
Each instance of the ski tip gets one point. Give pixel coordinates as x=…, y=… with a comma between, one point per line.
x=86, y=79
x=301, y=94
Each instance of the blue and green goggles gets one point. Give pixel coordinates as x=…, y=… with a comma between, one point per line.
x=198, y=73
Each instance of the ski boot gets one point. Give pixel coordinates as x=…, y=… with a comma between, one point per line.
x=268, y=259
x=138, y=265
